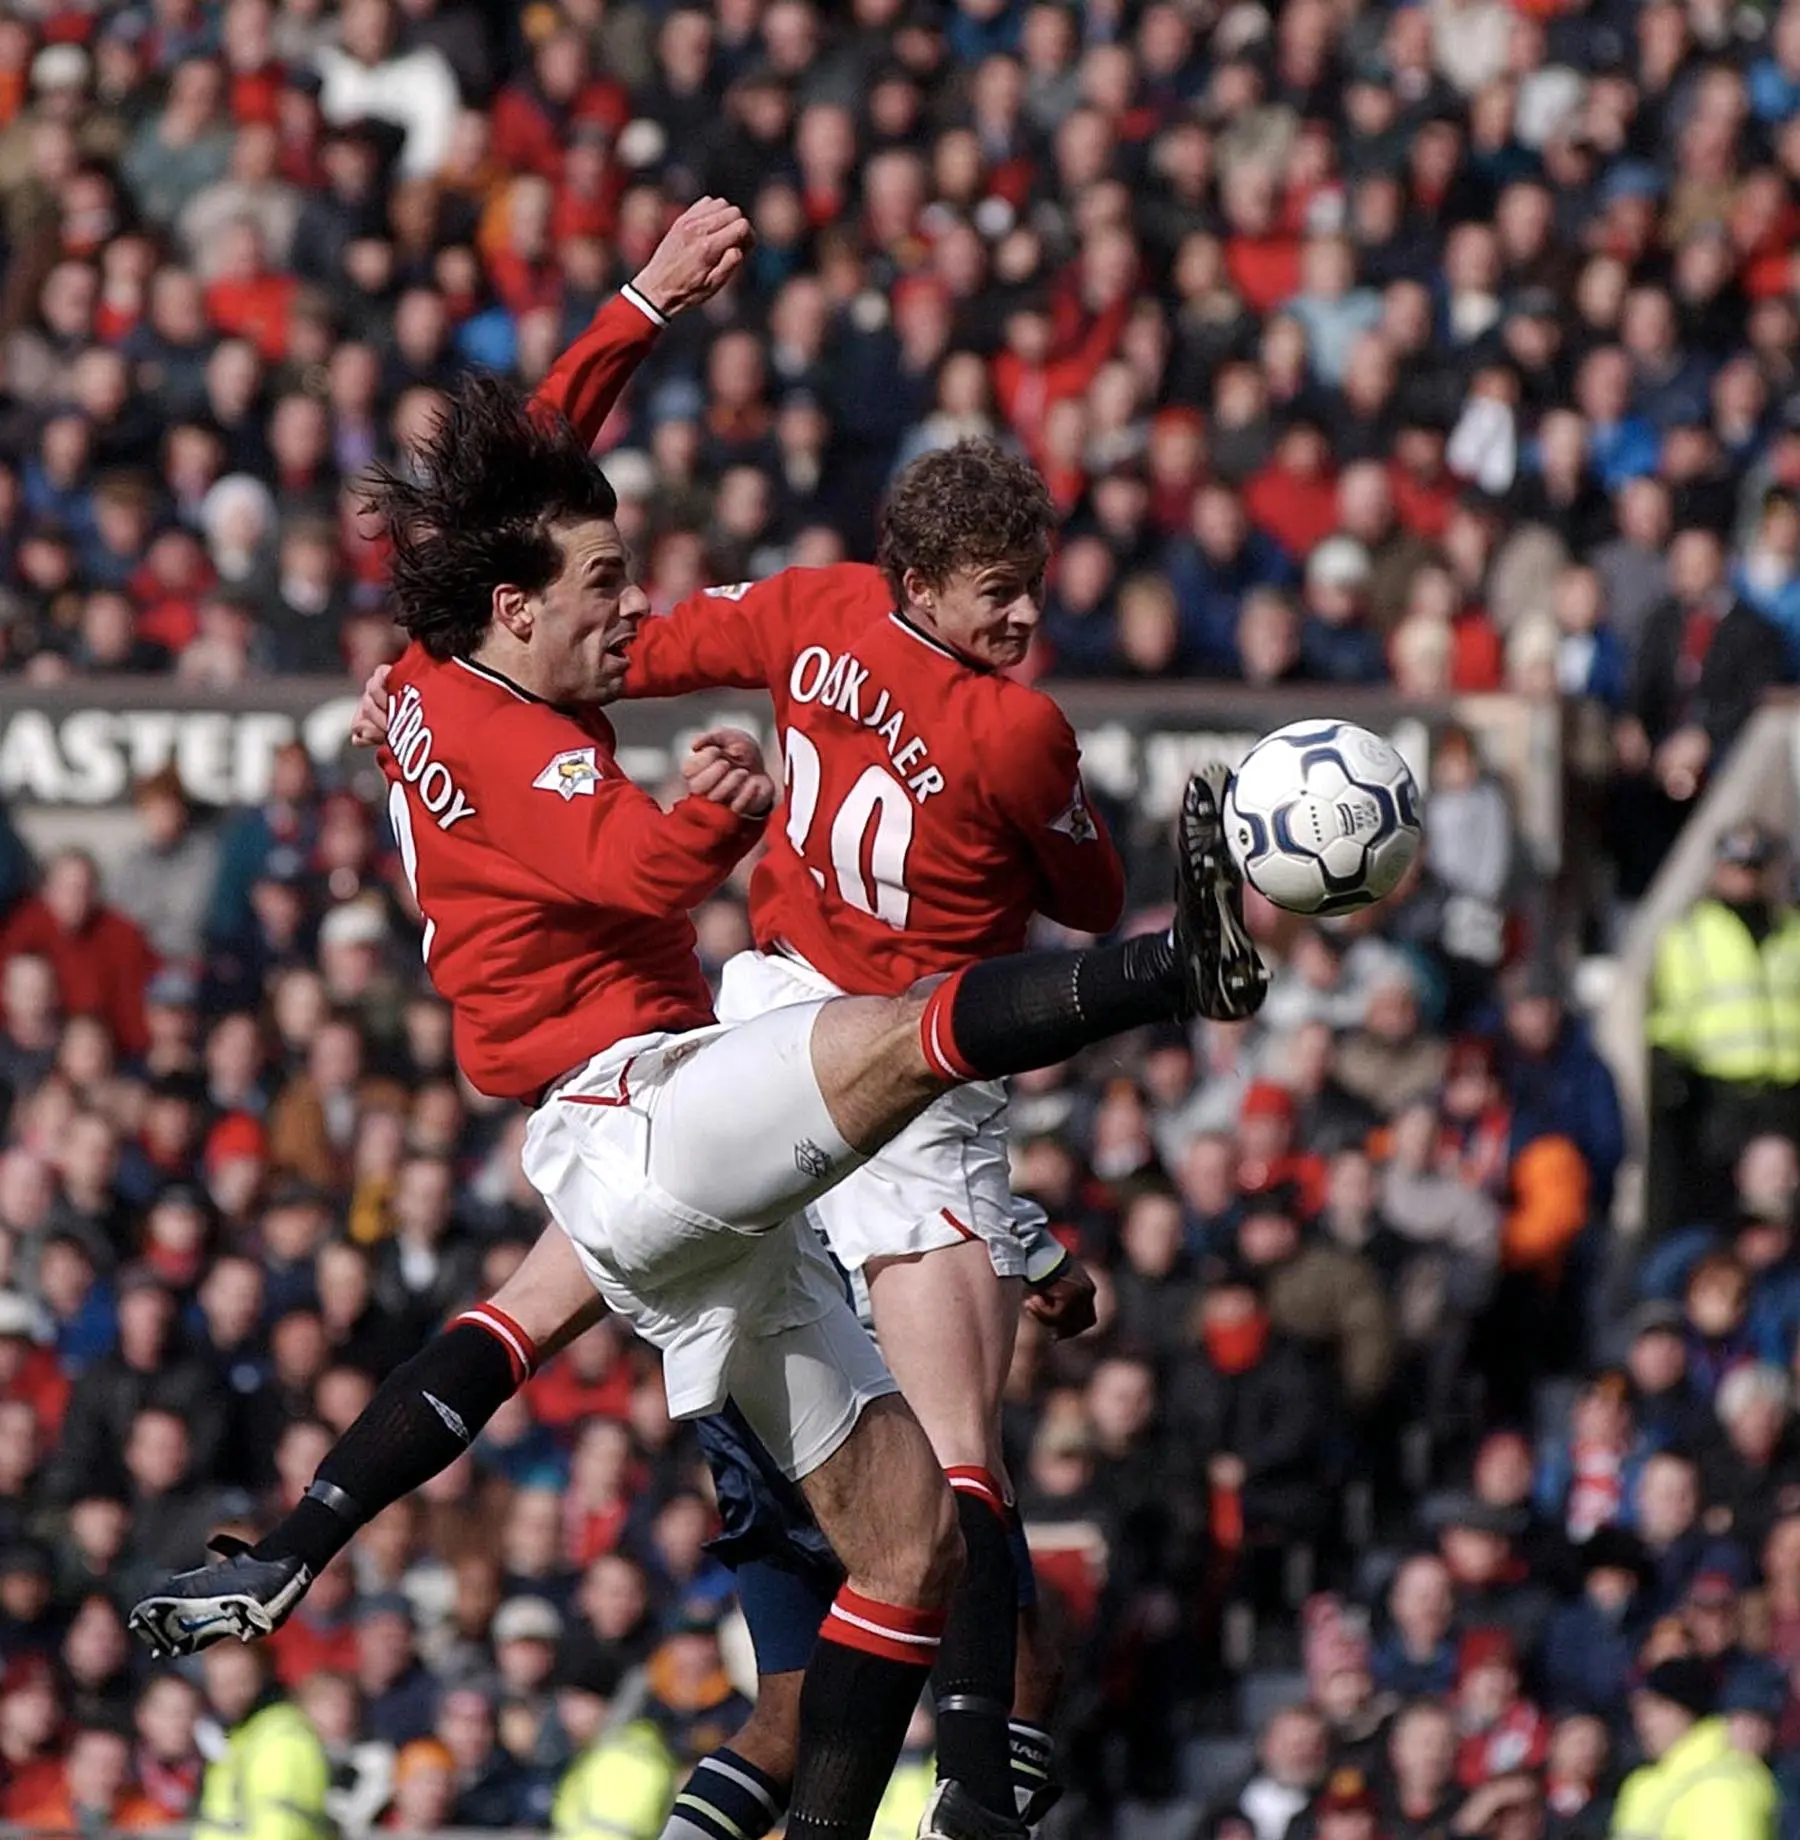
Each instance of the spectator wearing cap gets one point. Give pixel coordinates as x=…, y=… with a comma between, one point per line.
x=1502, y=1731
x=1271, y=1166
x=1752, y=1698
x=1347, y=1807
x=1590, y=1646
x=1696, y=1785
x=1336, y=644
x=1391, y=1059
x=1724, y=1024
x=1491, y=1586
x=1250, y=1405
x=689, y=1708
x=525, y=1634
x=101, y=959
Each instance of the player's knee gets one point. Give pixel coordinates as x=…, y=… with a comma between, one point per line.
x=923, y=1555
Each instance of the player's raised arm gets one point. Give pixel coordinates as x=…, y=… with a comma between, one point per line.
x=1035, y=779
x=705, y=246
x=743, y=637
x=718, y=639
x=566, y=812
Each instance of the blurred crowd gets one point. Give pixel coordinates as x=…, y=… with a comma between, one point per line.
x=1448, y=345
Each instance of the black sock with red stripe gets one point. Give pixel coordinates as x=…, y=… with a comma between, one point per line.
x=973, y=1679
x=861, y=1689
x=424, y=1415
x=1008, y=1015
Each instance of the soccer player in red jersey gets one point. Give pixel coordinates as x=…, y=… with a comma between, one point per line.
x=933, y=807
x=674, y=1153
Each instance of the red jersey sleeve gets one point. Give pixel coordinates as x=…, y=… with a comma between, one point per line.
x=1033, y=775
x=720, y=638
x=591, y=375
x=602, y=839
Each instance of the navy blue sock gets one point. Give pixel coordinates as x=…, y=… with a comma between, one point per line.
x=726, y=1798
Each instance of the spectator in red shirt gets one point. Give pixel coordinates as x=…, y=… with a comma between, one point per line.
x=1262, y=259
x=101, y=960
x=28, y=1372
x=1501, y=1730
x=321, y=1635
x=1268, y=1163
x=1294, y=498
x=536, y=115
x=245, y=300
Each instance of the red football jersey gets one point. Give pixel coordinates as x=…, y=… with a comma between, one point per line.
x=555, y=893
x=932, y=807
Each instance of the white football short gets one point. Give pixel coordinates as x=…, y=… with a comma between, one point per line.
x=680, y=1166
x=942, y=1180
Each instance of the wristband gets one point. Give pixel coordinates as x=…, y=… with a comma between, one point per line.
x=639, y=299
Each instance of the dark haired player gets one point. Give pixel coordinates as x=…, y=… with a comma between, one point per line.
x=674, y=1153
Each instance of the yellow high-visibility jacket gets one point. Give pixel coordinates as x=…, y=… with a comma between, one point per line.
x=908, y=1790
x=620, y=1788
x=270, y=1783
x=1700, y=1789
x=1727, y=1007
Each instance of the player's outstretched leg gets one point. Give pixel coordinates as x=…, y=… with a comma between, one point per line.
x=423, y=1417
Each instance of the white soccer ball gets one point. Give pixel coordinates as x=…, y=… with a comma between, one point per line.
x=1323, y=817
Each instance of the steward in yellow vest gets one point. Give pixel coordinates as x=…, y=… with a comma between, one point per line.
x=1724, y=1031
x=268, y=1777
x=1698, y=1787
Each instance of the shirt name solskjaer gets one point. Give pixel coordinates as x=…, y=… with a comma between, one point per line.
x=842, y=684
x=409, y=741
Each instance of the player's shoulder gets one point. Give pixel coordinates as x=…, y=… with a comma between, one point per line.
x=852, y=592
x=1020, y=711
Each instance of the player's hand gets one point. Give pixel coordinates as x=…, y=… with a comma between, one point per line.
x=370, y=724
x=705, y=246
x=1068, y=1304
x=726, y=766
